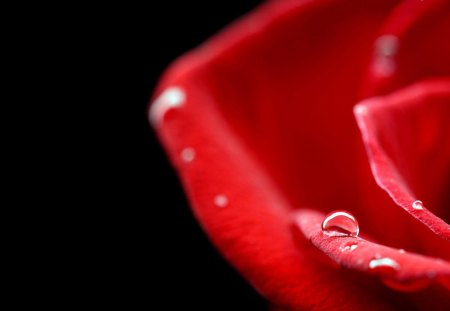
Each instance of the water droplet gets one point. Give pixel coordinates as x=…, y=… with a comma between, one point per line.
x=386, y=47
x=384, y=266
x=170, y=98
x=417, y=205
x=349, y=247
x=361, y=110
x=188, y=154
x=401, y=250
x=340, y=223
x=221, y=200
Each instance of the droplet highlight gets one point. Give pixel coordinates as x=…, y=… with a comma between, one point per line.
x=340, y=223
x=417, y=205
x=171, y=98
x=387, y=45
x=221, y=200
x=384, y=266
x=387, y=269
x=188, y=154
x=349, y=247
x=386, y=48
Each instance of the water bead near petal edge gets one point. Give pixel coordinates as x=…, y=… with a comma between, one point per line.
x=172, y=97
x=417, y=205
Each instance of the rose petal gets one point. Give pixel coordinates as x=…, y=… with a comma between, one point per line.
x=406, y=135
x=412, y=45
x=355, y=253
x=245, y=142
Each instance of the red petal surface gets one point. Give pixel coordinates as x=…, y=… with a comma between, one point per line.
x=258, y=122
x=357, y=253
x=413, y=45
x=407, y=137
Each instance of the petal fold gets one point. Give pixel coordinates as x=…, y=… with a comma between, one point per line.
x=407, y=139
x=395, y=266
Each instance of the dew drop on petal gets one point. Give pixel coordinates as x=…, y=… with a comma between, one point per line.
x=349, y=247
x=340, y=223
x=418, y=205
x=221, y=200
x=187, y=154
x=384, y=266
x=171, y=98
x=386, y=47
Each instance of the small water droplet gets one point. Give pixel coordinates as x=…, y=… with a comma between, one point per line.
x=386, y=47
x=221, y=200
x=384, y=266
x=340, y=223
x=172, y=97
x=361, y=110
x=401, y=250
x=188, y=154
x=417, y=205
x=349, y=247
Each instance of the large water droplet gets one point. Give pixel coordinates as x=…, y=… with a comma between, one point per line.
x=418, y=205
x=340, y=223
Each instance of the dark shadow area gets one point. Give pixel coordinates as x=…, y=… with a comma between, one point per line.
x=178, y=261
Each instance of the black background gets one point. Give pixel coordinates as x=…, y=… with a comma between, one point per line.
x=183, y=267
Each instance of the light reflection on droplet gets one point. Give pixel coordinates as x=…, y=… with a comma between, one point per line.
x=221, y=200
x=340, y=223
x=417, y=205
x=381, y=262
x=171, y=98
x=188, y=154
x=386, y=266
x=386, y=47
x=361, y=109
x=349, y=247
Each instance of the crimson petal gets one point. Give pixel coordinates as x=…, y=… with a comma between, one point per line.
x=406, y=135
x=411, y=46
x=243, y=158
x=396, y=266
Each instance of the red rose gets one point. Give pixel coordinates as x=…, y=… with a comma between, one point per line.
x=306, y=107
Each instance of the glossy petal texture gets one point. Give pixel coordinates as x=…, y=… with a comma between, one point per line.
x=266, y=110
x=403, y=133
x=357, y=253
